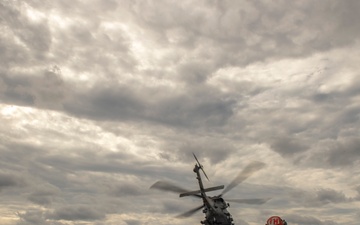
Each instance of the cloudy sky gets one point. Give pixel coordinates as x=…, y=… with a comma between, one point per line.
x=99, y=99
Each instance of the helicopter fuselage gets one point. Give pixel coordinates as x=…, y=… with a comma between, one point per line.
x=215, y=207
x=218, y=213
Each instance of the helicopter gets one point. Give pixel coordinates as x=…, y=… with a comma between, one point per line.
x=215, y=207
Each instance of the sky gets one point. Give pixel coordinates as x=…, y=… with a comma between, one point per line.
x=100, y=99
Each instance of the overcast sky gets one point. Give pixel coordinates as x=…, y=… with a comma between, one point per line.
x=99, y=99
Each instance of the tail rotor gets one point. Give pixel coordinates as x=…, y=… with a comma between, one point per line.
x=200, y=166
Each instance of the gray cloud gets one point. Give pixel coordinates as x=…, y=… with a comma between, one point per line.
x=258, y=30
x=45, y=91
x=124, y=103
x=318, y=198
x=33, y=217
x=328, y=195
x=288, y=146
x=126, y=190
x=339, y=153
x=9, y=180
x=100, y=99
x=44, y=194
x=298, y=219
x=345, y=152
x=36, y=37
x=133, y=222
x=74, y=213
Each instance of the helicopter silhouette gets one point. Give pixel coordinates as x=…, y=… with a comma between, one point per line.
x=214, y=208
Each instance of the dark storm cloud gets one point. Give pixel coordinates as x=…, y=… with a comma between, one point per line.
x=317, y=198
x=345, y=152
x=342, y=152
x=350, y=115
x=10, y=180
x=194, y=73
x=288, y=146
x=44, y=194
x=93, y=161
x=56, y=183
x=125, y=190
x=40, y=199
x=116, y=102
x=323, y=130
x=11, y=177
x=51, y=172
x=195, y=110
x=45, y=90
x=75, y=213
x=125, y=103
x=329, y=195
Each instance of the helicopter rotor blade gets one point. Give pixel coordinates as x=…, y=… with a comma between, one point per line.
x=196, y=159
x=190, y=212
x=244, y=174
x=201, y=167
x=166, y=186
x=251, y=201
x=205, y=173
